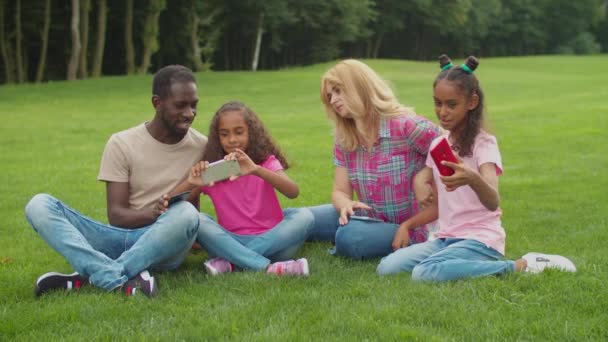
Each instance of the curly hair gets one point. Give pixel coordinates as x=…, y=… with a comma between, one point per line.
x=261, y=145
x=467, y=82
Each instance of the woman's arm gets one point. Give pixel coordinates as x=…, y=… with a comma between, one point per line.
x=342, y=196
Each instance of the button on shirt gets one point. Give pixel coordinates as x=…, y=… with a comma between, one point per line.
x=382, y=176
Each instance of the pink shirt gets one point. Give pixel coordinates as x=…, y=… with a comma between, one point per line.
x=248, y=205
x=461, y=214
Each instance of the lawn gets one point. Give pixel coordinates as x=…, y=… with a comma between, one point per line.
x=550, y=115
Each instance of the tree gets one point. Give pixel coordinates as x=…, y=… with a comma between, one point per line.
x=85, y=8
x=204, y=33
x=19, y=43
x=129, y=48
x=150, y=33
x=102, y=12
x=44, y=37
x=75, y=51
x=5, y=49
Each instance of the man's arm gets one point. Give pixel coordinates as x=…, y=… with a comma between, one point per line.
x=121, y=215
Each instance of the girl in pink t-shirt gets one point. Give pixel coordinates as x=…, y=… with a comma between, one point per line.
x=251, y=231
x=470, y=241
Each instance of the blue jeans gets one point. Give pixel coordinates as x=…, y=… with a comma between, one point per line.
x=446, y=259
x=109, y=256
x=256, y=252
x=356, y=239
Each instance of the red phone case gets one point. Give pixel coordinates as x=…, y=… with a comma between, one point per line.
x=442, y=151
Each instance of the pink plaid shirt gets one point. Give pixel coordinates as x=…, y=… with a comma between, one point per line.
x=382, y=177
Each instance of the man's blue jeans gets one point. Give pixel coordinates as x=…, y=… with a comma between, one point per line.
x=356, y=239
x=446, y=259
x=256, y=252
x=109, y=256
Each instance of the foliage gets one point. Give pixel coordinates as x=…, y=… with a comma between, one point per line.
x=299, y=32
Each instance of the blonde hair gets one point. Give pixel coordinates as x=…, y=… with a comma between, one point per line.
x=365, y=96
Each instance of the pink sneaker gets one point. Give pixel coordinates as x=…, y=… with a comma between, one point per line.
x=217, y=266
x=291, y=267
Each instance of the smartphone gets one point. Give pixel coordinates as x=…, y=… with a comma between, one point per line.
x=365, y=218
x=220, y=170
x=179, y=197
x=440, y=152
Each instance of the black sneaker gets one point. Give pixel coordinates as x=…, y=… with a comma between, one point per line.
x=143, y=282
x=58, y=281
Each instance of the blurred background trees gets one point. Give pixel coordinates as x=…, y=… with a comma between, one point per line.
x=52, y=39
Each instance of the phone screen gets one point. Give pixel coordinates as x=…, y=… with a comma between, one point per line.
x=220, y=170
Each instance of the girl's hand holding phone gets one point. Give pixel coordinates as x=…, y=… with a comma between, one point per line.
x=246, y=164
x=194, y=177
x=463, y=175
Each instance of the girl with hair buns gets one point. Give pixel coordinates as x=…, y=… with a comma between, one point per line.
x=470, y=241
x=379, y=146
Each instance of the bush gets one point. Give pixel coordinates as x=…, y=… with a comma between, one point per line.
x=584, y=44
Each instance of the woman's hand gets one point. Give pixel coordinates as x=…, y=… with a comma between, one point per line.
x=245, y=163
x=194, y=177
x=349, y=209
x=402, y=237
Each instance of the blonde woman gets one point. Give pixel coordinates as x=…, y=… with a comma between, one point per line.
x=379, y=147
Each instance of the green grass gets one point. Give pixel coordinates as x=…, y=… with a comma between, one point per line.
x=550, y=115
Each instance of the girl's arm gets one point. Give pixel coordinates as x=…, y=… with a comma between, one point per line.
x=484, y=182
x=279, y=181
x=342, y=196
x=423, y=183
x=427, y=215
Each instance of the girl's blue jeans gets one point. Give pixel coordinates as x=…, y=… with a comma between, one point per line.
x=256, y=252
x=109, y=256
x=446, y=259
x=356, y=239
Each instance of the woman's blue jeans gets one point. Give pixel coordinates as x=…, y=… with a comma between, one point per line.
x=356, y=239
x=109, y=256
x=446, y=259
x=256, y=252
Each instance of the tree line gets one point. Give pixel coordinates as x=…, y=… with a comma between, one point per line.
x=43, y=40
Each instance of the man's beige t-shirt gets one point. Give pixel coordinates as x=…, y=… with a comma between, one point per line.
x=151, y=168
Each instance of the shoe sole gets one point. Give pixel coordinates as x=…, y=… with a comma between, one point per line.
x=37, y=291
x=210, y=270
x=305, y=271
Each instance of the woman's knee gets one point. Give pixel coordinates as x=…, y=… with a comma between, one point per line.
x=348, y=244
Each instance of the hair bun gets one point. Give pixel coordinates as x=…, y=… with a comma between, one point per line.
x=472, y=62
x=444, y=61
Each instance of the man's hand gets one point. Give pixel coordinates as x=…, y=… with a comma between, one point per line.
x=161, y=206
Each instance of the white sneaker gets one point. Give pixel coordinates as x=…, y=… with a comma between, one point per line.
x=537, y=262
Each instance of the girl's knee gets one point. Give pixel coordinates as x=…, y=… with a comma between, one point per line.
x=427, y=272
x=386, y=267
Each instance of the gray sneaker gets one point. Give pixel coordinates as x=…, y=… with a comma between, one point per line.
x=143, y=282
